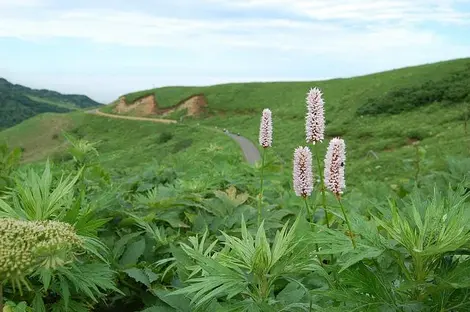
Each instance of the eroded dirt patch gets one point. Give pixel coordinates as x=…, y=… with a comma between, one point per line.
x=142, y=107
x=195, y=105
x=148, y=105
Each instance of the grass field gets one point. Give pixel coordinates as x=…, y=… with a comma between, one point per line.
x=379, y=146
x=122, y=144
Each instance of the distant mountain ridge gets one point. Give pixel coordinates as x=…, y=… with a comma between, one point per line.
x=18, y=103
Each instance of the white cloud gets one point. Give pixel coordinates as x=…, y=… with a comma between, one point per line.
x=355, y=26
x=364, y=10
x=19, y=4
x=143, y=29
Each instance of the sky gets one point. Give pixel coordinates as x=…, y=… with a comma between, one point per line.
x=106, y=48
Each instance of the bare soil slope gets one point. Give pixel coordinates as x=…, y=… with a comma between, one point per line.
x=148, y=105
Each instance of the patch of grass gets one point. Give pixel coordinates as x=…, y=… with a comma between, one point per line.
x=55, y=102
x=177, y=114
x=39, y=136
x=122, y=144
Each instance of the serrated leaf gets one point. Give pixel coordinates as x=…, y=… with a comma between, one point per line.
x=358, y=255
x=151, y=275
x=38, y=303
x=65, y=291
x=46, y=277
x=133, y=252
x=138, y=275
x=179, y=302
x=159, y=308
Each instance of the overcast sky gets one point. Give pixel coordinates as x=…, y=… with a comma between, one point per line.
x=105, y=48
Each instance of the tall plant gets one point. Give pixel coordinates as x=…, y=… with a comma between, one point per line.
x=73, y=266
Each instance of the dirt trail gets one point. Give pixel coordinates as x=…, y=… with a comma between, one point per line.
x=250, y=151
x=97, y=112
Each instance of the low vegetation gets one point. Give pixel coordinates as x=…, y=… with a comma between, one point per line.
x=448, y=89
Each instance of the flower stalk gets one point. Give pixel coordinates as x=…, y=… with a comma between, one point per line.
x=315, y=120
x=302, y=172
x=315, y=133
x=334, y=175
x=265, y=140
x=260, y=197
x=350, y=232
x=322, y=185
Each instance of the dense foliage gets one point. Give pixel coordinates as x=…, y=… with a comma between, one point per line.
x=18, y=103
x=449, y=89
x=197, y=231
x=166, y=240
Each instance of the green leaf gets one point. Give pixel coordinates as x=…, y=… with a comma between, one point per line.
x=138, y=275
x=159, y=308
x=178, y=302
x=133, y=252
x=46, y=277
x=38, y=303
x=357, y=255
x=64, y=291
x=151, y=275
x=291, y=293
x=120, y=245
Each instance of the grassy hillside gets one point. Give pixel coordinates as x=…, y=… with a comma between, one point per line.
x=380, y=115
x=123, y=144
x=18, y=103
x=389, y=121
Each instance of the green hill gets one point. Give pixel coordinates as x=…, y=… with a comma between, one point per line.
x=387, y=119
x=381, y=116
x=18, y=103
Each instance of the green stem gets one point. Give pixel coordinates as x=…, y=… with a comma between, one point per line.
x=418, y=167
x=316, y=245
x=322, y=184
x=347, y=220
x=306, y=206
x=260, y=199
x=1, y=297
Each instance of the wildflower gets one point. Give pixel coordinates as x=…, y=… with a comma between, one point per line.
x=314, y=121
x=25, y=245
x=334, y=166
x=266, y=129
x=302, y=173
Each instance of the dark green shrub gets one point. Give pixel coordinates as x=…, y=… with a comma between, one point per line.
x=417, y=134
x=181, y=145
x=165, y=137
x=450, y=89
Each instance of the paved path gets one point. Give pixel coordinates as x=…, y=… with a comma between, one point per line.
x=250, y=151
x=252, y=154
